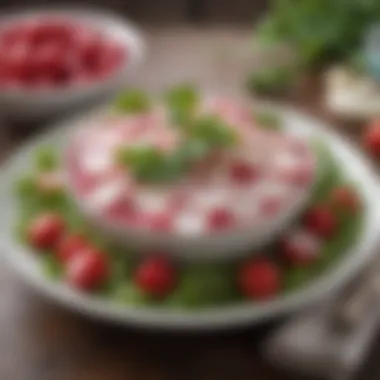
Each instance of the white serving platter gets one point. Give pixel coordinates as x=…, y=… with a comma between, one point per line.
x=24, y=262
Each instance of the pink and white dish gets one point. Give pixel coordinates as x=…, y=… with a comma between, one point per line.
x=54, y=59
x=231, y=199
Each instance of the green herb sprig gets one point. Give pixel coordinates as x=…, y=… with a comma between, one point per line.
x=321, y=31
x=182, y=102
x=133, y=101
x=149, y=164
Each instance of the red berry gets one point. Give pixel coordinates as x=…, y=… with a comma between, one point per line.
x=122, y=209
x=161, y=222
x=69, y=246
x=111, y=58
x=242, y=172
x=90, y=54
x=271, y=205
x=47, y=57
x=259, y=279
x=56, y=31
x=321, y=221
x=15, y=34
x=156, y=276
x=345, y=199
x=220, y=219
x=371, y=138
x=45, y=230
x=300, y=248
x=87, y=270
x=16, y=64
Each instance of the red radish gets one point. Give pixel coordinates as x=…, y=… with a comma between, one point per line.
x=259, y=278
x=300, y=174
x=112, y=56
x=220, y=219
x=58, y=31
x=15, y=34
x=16, y=64
x=271, y=205
x=122, y=209
x=47, y=57
x=300, y=247
x=45, y=230
x=345, y=199
x=371, y=139
x=69, y=246
x=90, y=54
x=161, y=222
x=156, y=276
x=321, y=221
x=242, y=172
x=87, y=270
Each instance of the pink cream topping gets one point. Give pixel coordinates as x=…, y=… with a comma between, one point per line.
x=252, y=183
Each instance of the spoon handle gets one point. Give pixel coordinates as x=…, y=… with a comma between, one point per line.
x=360, y=300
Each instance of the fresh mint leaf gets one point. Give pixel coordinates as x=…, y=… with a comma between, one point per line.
x=26, y=186
x=145, y=162
x=182, y=101
x=194, y=149
x=148, y=164
x=271, y=80
x=46, y=158
x=133, y=101
x=211, y=130
x=132, y=155
x=184, y=97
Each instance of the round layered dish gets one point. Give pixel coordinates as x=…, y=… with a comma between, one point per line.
x=212, y=177
x=188, y=167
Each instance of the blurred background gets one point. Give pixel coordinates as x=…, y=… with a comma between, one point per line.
x=169, y=11
x=185, y=39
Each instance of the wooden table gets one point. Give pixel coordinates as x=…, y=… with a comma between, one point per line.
x=39, y=341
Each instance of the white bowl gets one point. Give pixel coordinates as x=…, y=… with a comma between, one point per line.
x=28, y=105
x=25, y=262
x=224, y=245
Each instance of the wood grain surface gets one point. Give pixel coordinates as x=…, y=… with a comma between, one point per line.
x=40, y=341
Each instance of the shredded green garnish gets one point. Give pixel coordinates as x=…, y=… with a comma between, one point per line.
x=182, y=102
x=149, y=164
x=133, y=101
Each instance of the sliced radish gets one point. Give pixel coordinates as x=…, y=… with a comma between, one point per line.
x=220, y=219
x=300, y=247
x=242, y=172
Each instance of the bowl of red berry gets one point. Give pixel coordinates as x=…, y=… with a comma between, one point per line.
x=188, y=173
x=56, y=60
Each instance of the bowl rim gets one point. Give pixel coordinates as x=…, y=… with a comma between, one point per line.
x=25, y=263
x=136, y=48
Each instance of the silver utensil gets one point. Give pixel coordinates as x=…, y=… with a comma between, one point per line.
x=332, y=339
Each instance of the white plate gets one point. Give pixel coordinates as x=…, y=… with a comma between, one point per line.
x=25, y=263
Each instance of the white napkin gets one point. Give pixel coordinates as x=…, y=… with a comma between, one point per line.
x=309, y=345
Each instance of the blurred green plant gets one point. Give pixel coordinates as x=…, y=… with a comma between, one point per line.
x=321, y=31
